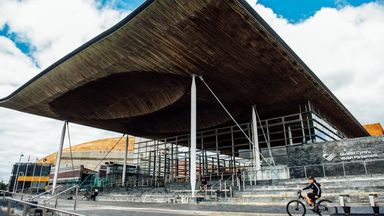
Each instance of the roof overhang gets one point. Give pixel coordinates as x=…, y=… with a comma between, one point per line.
x=135, y=77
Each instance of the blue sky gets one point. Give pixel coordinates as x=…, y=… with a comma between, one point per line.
x=22, y=45
x=122, y=4
x=293, y=10
x=298, y=10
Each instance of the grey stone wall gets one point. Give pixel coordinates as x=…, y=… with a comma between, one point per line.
x=360, y=156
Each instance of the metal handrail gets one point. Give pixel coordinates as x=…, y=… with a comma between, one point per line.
x=41, y=194
x=218, y=183
x=43, y=207
x=15, y=193
x=62, y=192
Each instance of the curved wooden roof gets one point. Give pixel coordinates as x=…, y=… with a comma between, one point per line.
x=135, y=77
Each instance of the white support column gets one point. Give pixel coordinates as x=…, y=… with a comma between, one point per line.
x=290, y=135
x=125, y=161
x=58, y=158
x=193, y=137
x=256, y=149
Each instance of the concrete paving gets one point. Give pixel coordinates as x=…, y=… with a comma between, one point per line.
x=113, y=208
x=143, y=209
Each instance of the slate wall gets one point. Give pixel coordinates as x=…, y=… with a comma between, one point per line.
x=339, y=158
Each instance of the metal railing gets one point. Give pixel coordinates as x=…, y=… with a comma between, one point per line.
x=44, y=193
x=223, y=186
x=31, y=208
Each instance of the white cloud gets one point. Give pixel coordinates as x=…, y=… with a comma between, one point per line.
x=54, y=28
x=345, y=48
x=252, y=2
x=14, y=66
x=37, y=137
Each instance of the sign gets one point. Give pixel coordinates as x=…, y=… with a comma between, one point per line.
x=351, y=155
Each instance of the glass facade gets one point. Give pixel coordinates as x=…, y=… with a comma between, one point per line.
x=223, y=150
x=33, y=175
x=324, y=131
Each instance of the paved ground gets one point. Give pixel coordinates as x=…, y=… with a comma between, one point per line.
x=114, y=208
x=152, y=209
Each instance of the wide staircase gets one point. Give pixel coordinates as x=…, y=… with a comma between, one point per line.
x=272, y=192
x=281, y=191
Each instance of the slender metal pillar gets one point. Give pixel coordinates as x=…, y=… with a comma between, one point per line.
x=125, y=161
x=17, y=174
x=41, y=170
x=256, y=149
x=25, y=175
x=58, y=158
x=193, y=137
x=33, y=176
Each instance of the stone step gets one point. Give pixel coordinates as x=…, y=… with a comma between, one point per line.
x=359, y=187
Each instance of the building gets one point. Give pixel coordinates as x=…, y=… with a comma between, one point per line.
x=90, y=153
x=77, y=175
x=374, y=129
x=94, y=163
x=256, y=100
x=29, y=177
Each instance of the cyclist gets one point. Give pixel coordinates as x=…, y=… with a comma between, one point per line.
x=316, y=191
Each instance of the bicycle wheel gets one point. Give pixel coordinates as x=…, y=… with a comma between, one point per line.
x=325, y=207
x=295, y=207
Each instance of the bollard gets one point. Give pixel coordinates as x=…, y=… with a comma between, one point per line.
x=225, y=189
x=76, y=195
x=343, y=204
x=238, y=183
x=372, y=203
x=9, y=208
x=56, y=200
x=243, y=184
x=24, y=210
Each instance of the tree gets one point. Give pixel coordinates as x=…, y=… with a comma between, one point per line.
x=3, y=186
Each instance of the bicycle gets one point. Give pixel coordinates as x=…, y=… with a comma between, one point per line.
x=297, y=207
x=87, y=196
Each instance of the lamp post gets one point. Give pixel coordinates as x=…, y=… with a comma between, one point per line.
x=17, y=173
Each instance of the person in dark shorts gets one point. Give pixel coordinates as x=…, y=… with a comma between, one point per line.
x=311, y=197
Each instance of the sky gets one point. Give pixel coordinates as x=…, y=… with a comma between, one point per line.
x=342, y=41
